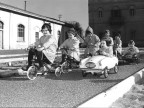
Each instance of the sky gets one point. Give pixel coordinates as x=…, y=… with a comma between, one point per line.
x=71, y=10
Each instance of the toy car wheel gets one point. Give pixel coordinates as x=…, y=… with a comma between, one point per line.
x=32, y=72
x=115, y=69
x=84, y=74
x=58, y=72
x=105, y=72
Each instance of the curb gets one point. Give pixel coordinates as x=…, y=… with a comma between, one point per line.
x=106, y=98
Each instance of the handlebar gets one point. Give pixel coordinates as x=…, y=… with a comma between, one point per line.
x=66, y=49
x=30, y=47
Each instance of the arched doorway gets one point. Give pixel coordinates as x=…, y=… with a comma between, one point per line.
x=1, y=35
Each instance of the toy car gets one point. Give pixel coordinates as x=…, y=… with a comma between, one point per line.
x=130, y=58
x=98, y=65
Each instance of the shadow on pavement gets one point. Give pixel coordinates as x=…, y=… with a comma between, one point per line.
x=106, y=80
x=12, y=77
x=73, y=76
x=67, y=76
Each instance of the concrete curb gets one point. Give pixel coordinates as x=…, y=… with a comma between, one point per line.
x=12, y=60
x=105, y=99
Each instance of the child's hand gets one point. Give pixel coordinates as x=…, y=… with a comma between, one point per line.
x=40, y=48
x=104, y=53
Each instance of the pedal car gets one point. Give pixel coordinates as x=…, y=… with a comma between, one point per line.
x=98, y=65
x=130, y=58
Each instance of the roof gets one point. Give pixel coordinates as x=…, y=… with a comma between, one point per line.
x=16, y=10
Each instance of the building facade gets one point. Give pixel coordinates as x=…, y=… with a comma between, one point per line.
x=123, y=16
x=20, y=28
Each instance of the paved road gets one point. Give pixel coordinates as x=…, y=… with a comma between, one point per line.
x=69, y=90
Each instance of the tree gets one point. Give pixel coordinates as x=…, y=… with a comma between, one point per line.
x=76, y=25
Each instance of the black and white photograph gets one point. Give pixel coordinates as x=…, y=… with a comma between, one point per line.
x=72, y=53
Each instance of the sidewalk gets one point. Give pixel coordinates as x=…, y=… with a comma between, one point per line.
x=10, y=56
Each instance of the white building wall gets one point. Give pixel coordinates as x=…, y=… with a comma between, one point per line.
x=56, y=28
x=10, y=31
x=34, y=26
x=15, y=21
x=5, y=18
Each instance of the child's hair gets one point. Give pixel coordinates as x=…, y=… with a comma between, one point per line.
x=107, y=31
x=48, y=26
x=117, y=35
x=131, y=42
x=107, y=43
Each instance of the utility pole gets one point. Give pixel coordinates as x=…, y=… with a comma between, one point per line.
x=25, y=5
x=59, y=16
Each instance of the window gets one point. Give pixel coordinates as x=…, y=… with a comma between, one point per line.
x=132, y=34
x=21, y=30
x=132, y=11
x=116, y=12
x=59, y=33
x=100, y=12
x=37, y=36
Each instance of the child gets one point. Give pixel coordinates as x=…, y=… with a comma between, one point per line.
x=46, y=47
x=117, y=45
x=107, y=37
x=92, y=42
x=131, y=50
x=72, y=44
x=105, y=49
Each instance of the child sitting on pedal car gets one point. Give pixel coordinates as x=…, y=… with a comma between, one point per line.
x=131, y=51
x=45, y=48
x=72, y=45
x=105, y=49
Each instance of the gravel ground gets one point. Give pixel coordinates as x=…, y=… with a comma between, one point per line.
x=134, y=98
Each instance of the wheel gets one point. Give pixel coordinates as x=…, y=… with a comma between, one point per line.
x=32, y=72
x=64, y=67
x=105, y=72
x=58, y=72
x=115, y=69
x=84, y=74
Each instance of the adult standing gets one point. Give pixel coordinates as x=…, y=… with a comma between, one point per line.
x=92, y=42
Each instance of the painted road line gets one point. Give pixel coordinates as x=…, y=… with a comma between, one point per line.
x=105, y=99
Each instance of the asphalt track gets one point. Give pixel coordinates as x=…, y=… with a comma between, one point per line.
x=70, y=90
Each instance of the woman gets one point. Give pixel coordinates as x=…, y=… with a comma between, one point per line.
x=46, y=47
